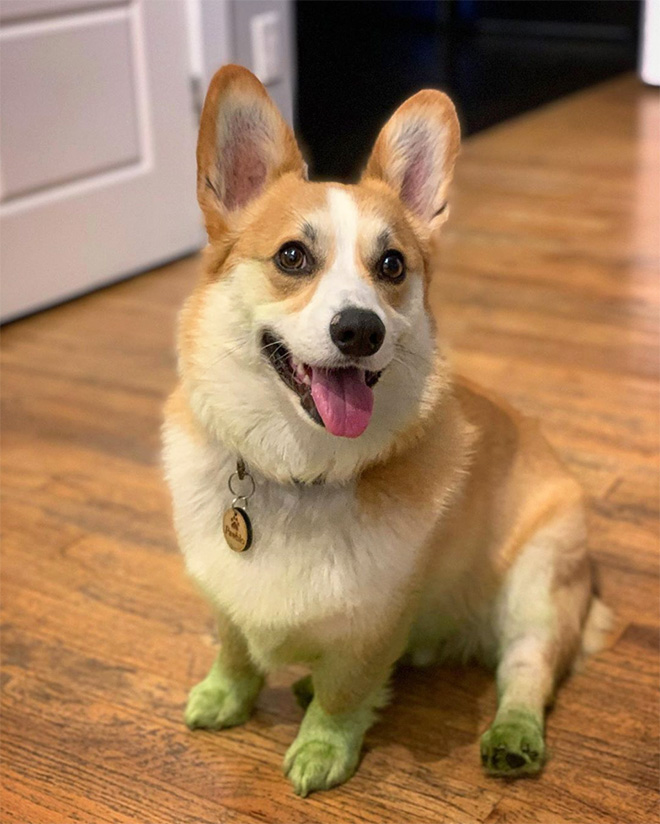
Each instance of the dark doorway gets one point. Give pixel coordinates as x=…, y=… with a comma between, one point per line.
x=358, y=59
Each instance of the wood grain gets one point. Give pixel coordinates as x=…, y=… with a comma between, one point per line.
x=549, y=290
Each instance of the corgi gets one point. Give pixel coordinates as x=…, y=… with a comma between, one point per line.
x=342, y=499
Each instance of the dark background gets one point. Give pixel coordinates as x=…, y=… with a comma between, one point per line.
x=358, y=59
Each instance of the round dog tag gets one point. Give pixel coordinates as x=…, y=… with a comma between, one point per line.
x=237, y=529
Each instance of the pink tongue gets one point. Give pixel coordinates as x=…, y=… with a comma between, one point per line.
x=343, y=399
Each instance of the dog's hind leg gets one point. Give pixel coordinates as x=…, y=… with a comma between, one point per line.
x=514, y=743
x=226, y=696
x=539, y=615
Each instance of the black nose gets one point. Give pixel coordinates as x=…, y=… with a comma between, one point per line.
x=357, y=332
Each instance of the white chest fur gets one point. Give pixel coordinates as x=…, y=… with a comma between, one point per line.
x=317, y=559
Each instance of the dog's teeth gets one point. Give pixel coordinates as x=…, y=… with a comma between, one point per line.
x=299, y=371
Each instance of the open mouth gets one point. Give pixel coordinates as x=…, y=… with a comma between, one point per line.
x=340, y=399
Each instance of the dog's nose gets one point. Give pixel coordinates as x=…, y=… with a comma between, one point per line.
x=357, y=332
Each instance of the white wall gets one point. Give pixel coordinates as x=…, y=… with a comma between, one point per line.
x=226, y=38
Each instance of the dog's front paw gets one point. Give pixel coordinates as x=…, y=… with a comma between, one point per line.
x=214, y=703
x=513, y=746
x=319, y=765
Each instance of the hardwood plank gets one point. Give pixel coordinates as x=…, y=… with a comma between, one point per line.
x=549, y=290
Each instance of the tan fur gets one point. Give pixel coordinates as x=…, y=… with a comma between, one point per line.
x=376, y=201
x=275, y=218
x=178, y=412
x=516, y=481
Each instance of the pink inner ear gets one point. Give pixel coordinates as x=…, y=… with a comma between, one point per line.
x=243, y=160
x=416, y=185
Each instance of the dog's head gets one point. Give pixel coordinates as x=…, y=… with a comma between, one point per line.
x=308, y=347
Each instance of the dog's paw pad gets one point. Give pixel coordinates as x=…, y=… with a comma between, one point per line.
x=318, y=765
x=513, y=746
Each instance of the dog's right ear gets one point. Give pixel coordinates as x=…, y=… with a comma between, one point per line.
x=244, y=144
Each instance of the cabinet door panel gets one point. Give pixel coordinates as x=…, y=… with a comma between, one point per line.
x=97, y=150
x=68, y=106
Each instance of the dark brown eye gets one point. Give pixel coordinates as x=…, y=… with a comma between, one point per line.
x=293, y=257
x=392, y=266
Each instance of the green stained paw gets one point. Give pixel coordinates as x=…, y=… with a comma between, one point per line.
x=327, y=749
x=303, y=689
x=513, y=746
x=212, y=710
x=220, y=701
x=319, y=765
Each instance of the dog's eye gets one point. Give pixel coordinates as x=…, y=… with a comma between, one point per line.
x=392, y=266
x=292, y=257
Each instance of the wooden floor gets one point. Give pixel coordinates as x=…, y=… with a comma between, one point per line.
x=550, y=294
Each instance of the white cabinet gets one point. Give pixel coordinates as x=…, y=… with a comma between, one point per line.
x=98, y=124
x=97, y=145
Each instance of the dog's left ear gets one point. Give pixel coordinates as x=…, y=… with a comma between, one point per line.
x=415, y=154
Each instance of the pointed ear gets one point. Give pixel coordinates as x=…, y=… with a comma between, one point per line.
x=244, y=144
x=415, y=154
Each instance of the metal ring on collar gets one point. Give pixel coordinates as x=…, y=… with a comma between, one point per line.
x=246, y=477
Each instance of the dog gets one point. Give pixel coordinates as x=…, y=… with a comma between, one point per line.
x=341, y=498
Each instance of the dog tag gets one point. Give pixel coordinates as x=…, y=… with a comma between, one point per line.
x=237, y=529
